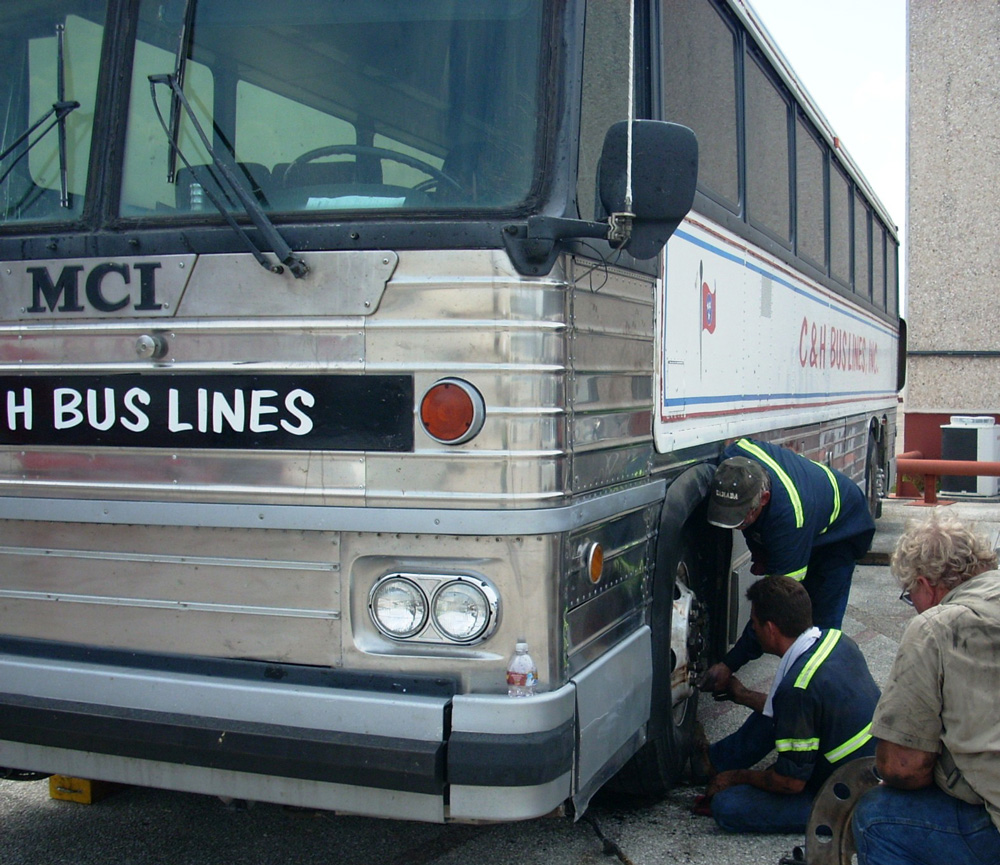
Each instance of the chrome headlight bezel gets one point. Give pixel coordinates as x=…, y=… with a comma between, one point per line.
x=419, y=599
x=434, y=589
x=481, y=593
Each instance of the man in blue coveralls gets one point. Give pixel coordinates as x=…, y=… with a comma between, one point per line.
x=817, y=716
x=800, y=519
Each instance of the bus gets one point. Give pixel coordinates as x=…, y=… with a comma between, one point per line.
x=344, y=346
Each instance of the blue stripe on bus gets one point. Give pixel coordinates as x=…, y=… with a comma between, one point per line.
x=771, y=397
x=737, y=259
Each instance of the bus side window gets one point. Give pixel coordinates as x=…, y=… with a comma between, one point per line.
x=840, y=226
x=605, y=93
x=810, y=199
x=699, y=91
x=862, y=263
x=878, y=264
x=767, y=148
x=891, y=285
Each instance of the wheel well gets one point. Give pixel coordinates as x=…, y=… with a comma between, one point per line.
x=684, y=536
x=684, y=527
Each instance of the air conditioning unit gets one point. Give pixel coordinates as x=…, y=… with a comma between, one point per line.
x=975, y=439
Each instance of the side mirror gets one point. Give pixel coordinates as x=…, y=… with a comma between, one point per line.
x=664, y=173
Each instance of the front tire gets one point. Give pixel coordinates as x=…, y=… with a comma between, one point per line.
x=678, y=638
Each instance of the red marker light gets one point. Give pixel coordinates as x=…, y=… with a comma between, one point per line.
x=452, y=411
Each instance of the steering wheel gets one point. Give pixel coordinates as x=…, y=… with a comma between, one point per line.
x=381, y=152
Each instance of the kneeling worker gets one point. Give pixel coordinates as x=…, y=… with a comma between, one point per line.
x=800, y=519
x=817, y=715
x=938, y=736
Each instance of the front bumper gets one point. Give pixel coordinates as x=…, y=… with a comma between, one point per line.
x=250, y=730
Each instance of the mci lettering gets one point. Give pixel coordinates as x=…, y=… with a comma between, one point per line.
x=108, y=287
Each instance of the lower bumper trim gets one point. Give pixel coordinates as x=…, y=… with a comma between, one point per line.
x=524, y=760
x=412, y=766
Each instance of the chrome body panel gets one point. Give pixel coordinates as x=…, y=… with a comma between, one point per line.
x=338, y=283
x=270, y=555
x=613, y=706
x=565, y=374
x=313, y=518
x=212, y=592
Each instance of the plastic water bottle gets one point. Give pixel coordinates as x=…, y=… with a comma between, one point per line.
x=522, y=674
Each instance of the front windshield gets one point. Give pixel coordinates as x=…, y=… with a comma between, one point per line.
x=339, y=105
x=51, y=54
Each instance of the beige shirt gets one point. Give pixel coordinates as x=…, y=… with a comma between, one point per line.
x=945, y=688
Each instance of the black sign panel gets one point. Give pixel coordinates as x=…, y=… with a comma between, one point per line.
x=273, y=412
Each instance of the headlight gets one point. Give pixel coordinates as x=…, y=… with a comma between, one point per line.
x=398, y=608
x=462, y=611
x=464, y=608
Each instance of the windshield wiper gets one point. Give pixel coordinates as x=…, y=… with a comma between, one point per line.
x=61, y=121
x=253, y=209
x=60, y=109
x=184, y=41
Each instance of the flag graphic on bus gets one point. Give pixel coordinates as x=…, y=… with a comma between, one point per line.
x=709, y=314
x=707, y=306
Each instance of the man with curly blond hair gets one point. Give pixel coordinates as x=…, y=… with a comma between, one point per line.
x=938, y=721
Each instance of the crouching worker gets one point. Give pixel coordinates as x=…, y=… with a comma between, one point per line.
x=938, y=722
x=816, y=716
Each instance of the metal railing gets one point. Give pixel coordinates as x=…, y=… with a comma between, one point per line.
x=912, y=463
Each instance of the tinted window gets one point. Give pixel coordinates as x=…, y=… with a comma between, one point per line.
x=424, y=104
x=699, y=90
x=810, y=197
x=767, y=153
x=892, y=287
x=878, y=264
x=46, y=46
x=840, y=226
x=862, y=273
x=605, y=90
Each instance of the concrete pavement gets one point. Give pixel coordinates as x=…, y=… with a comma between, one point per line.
x=982, y=514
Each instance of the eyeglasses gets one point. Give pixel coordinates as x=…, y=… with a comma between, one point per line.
x=905, y=597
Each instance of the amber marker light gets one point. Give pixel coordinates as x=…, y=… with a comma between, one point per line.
x=595, y=562
x=452, y=411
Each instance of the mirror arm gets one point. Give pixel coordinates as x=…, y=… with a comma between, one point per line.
x=532, y=245
x=559, y=228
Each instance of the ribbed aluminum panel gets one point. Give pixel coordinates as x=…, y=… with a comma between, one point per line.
x=564, y=372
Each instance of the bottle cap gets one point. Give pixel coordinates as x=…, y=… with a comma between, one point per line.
x=521, y=646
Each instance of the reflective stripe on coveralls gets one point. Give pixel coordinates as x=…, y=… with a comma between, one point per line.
x=793, y=493
x=804, y=678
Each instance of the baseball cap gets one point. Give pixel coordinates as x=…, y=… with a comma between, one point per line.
x=735, y=491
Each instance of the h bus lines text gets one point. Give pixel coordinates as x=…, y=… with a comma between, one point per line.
x=247, y=410
x=828, y=347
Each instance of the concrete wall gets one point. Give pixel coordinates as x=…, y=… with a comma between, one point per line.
x=953, y=227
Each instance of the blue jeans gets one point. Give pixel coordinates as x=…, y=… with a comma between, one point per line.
x=828, y=582
x=744, y=808
x=923, y=827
